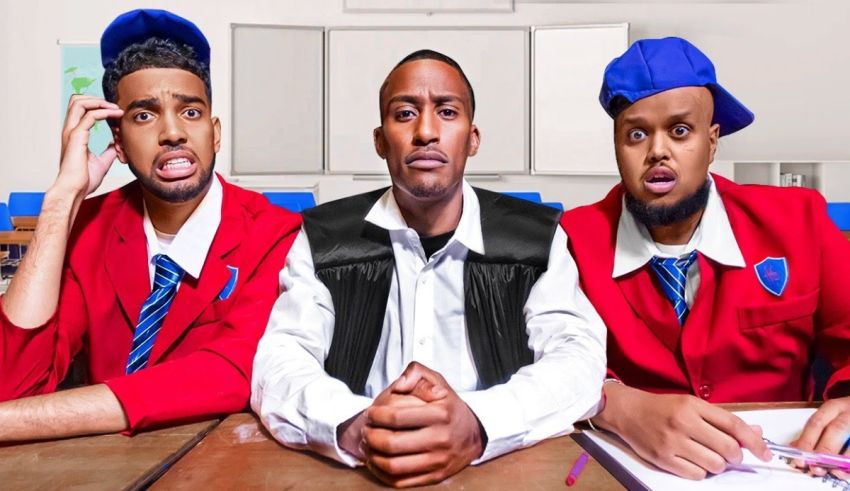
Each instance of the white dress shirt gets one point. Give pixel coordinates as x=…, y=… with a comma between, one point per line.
x=190, y=245
x=713, y=238
x=302, y=405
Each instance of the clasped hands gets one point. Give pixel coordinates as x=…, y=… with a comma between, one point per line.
x=417, y=431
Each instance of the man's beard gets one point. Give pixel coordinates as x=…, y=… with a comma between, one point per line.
x=428, y=191
x=428, y=188
x=659, y=215
x=179, y=194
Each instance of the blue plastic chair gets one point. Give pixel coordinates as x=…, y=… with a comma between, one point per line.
x=532, y=196
x=554, y=204
x=5, y=219
x=840, y=214
x=25, y=204
x=8, y=265
x=296, y=201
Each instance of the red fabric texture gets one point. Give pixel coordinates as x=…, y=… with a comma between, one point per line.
x=200, y=365
x=740, y=343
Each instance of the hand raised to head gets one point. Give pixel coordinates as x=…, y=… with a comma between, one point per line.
x=80, y=169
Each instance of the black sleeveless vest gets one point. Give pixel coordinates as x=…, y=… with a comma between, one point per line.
x=354, y=259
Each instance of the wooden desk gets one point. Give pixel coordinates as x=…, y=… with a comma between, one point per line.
x=24, y=223
x=240, y=454
x=16, y=238
x=97, y=462
x=753, y=406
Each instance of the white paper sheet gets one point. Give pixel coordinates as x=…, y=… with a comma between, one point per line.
x=779, y=425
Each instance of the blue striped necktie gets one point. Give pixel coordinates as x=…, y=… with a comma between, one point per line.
x=166, y=278
x=672, y=273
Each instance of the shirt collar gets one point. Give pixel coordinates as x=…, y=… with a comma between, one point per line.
x=386, y=214
x=713, y=238
x=192, y=243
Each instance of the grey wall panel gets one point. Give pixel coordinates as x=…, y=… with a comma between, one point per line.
x=277, y=99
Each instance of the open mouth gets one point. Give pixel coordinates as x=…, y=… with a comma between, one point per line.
x=176, y=165
x=660, y=180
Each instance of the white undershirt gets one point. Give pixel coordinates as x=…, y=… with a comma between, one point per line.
x=190, y=245
x=164, y=240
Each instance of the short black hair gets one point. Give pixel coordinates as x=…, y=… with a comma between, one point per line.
x=153, y=53
x=429, y=54
x=617, y=105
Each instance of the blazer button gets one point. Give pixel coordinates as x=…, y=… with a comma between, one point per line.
x=705, y=391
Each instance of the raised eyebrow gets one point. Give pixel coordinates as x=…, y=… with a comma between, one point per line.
x=190, y=99
x=150, y=103
x=442, y=99
x=633, y=120
x=675, y=117
x=680, y=116
x=409, y=99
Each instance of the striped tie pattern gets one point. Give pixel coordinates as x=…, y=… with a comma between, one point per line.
x=166, y=278
x=672, y=273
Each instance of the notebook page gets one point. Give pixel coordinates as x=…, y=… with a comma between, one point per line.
x=779, y=425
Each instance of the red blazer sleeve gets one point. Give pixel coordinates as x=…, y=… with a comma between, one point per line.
x=34, y=361
x=215, y=379
x=833, y=315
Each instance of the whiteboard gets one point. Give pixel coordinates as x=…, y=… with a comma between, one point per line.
x=427, y=6
x=572, y=134
x=278, y=104
x=496, y=61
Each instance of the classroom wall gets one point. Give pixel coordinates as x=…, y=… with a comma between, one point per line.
x=789, y=61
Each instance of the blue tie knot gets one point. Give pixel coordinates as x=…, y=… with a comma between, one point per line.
x=672, y=273
x=680, y=263
x=167, y=273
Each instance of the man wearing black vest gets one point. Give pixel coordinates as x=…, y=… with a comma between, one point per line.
x=430, y=325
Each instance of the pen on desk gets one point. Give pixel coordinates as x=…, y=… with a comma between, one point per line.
x=572, y=477
x=825, y=460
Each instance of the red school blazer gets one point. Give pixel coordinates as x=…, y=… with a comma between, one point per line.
x=200, y=365
x=740, y=342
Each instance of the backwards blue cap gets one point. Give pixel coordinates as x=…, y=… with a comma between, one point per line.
x=136, y=26
x=651, y=66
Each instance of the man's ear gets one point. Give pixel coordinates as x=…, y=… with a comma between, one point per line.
x=713, y=138
x=119, y=145
x=216, y=133
x=380, y=142
x=474, y=141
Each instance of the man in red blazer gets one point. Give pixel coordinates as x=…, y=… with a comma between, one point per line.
x=712, y=291
x=162, y=287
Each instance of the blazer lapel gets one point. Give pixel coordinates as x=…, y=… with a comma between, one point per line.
x=194, y=296
x=125, y=259
x=651, y=306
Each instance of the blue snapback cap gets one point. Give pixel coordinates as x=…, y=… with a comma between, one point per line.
x=138, y=25
x=651, y=66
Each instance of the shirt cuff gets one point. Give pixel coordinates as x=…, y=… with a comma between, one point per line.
x=502, y=418
x=312, y=426
x=356, y=406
